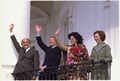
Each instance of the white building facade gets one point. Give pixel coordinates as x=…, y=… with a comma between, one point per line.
x=84, y=17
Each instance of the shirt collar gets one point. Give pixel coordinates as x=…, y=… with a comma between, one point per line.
x=27, y=49
x=54, y=46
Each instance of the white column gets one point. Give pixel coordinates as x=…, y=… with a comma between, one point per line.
x=17, y=12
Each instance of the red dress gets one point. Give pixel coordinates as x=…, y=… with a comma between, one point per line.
x=78, y=51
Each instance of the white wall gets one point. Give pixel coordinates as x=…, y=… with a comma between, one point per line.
x=16, y=12
x=92, y=16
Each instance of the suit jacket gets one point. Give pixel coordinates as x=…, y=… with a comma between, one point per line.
x=52, y=55
x=26, y=61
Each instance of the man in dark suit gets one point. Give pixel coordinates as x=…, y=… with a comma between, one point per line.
x=52, y=53
x=28, y=58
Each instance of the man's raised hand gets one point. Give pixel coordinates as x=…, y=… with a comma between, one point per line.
x=38, y=28
x=11, y=27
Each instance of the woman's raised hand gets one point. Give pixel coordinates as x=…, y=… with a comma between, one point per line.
x=57, y=32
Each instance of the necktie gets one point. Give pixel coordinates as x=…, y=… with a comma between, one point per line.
x=24, y=50
x=50, y=47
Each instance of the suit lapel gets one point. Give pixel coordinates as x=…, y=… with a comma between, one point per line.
x=24, y=55
x=30, y=50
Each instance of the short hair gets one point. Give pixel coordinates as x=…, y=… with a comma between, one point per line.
x=25, y=39
x=77, y=36
x=101, y=34
x=53, y=37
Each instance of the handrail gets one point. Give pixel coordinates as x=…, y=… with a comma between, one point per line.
x=63, y=67
x=60, y=66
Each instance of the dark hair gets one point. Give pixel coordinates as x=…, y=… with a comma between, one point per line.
x=77, y=36
x=101, y=34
